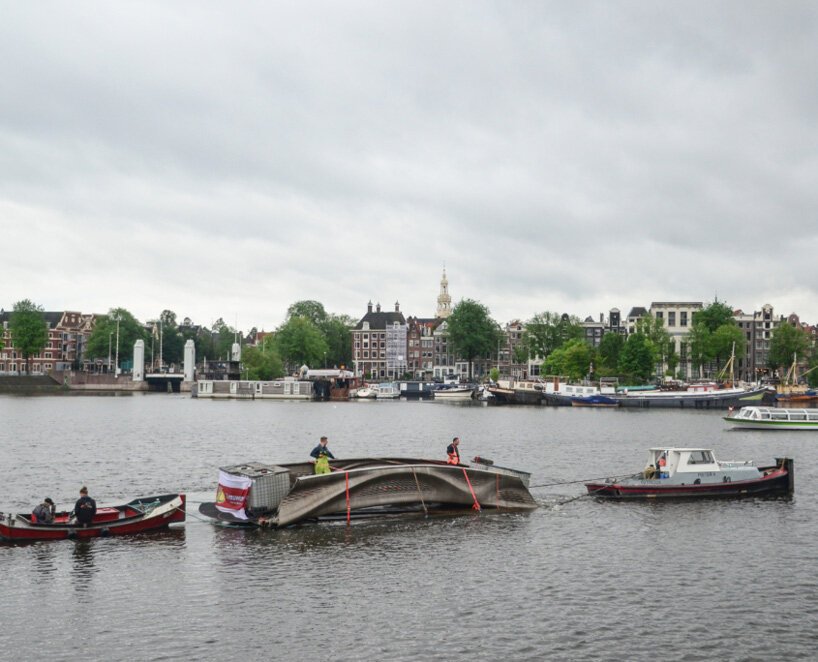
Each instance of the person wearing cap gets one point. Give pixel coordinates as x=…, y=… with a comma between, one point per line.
x=44, y=513
x=85, y=508
x=321, y=455
x=452, y=453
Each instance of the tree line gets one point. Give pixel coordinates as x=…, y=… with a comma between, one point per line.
x=559, y=340
x=311, y=336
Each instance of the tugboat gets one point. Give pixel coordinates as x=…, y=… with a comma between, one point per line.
x=694, y=472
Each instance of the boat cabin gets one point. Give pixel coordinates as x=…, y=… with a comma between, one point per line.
x=680, y=460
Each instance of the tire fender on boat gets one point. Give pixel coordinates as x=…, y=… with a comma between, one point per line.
x=104, y=533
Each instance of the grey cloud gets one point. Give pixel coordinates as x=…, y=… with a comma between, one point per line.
x=552, y=156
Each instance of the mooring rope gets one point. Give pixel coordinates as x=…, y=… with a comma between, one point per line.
x=420, y=492
x=584, y=480
x=193, y=515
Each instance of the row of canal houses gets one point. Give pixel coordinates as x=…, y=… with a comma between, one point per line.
x=386, y=344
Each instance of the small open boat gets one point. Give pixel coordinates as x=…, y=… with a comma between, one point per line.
x=280, y=495
x=455, y=393
x=695, y=472
x=596, y=400
x=137, y=516
x=773, y=418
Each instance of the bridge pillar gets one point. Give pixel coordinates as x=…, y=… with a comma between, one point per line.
x=139, y=361
x=190, y=360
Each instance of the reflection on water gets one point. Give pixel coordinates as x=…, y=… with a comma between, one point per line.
x=44, y=562
x=575, y=579
x=83, y=568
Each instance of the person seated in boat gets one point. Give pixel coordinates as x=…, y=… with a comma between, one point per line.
x=44, y=513
x=321, y=455
x=452, y=452
x=649, y=472
x=85, y=508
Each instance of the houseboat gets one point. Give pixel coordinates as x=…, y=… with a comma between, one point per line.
x=286, y=388
x=517, y=391
x=708, y=395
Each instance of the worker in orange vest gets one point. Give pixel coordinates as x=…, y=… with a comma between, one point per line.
x=662, y=466
x=452, y=452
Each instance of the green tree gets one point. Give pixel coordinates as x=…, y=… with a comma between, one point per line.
x=165, y=338
x=714, y=315
x=637, y=359
x=548, y=331
x=714, y=336
x=812, y=371
x=654, y=329
x=573, y=360
x=788, y=343
x=223, y=337
x=724, y=341
x=472, y=332
x=299, y=342
x=308, y=309
x=337, y=334
x=103, y=339
x=28, y=329
x=262, y=362
x=609, y=350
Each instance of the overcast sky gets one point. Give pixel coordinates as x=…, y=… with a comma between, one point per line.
x=227, y=159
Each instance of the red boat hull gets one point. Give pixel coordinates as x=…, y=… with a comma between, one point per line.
x=776, y=481
x=137, y=516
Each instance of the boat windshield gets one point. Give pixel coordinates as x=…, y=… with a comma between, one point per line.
x=700, y=457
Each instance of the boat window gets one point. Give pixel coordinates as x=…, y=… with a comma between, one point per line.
x=699, y=457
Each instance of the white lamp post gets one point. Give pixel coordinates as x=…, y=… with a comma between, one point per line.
x=116, y=362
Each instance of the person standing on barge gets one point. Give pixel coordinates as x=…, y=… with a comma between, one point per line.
x=321, y=455
x=452, y=452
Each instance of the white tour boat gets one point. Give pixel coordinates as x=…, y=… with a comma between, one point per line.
x=773, y=418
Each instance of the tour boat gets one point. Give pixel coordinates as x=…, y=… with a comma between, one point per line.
x=270, y=495
x=680, y=473
x=773, y=418
x=137, y=516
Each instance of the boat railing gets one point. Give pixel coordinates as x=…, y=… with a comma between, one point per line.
x=735, y=464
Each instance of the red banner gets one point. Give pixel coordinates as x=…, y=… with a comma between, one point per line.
x=231, y=496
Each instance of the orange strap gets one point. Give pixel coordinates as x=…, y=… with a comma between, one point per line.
x=476, y=505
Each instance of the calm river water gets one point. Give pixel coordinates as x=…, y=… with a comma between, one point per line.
x=581, y=580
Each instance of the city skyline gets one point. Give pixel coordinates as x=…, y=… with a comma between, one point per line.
x=552, y=157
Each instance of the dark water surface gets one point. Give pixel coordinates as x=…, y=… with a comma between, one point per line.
x=583, y=580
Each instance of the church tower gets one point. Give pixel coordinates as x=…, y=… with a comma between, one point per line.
x=444, y=300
